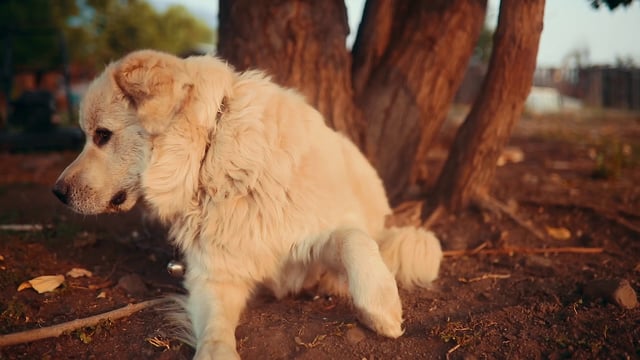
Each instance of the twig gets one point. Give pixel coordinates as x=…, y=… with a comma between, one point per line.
x=485, y=277
x=21, y=227
x=435, y=216
x=452, y=350
x=59, y=329
x=525, y=250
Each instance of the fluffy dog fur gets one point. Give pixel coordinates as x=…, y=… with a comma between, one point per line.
x=255, y=187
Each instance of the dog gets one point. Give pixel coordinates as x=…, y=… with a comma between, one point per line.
x=255, y=188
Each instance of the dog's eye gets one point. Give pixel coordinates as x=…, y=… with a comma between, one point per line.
x=101, y=136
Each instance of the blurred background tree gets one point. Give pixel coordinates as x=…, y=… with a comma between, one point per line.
x=97, y=31
x=29, y=27
x=611, y=4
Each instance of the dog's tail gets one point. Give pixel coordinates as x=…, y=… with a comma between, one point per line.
x=412, y=254
x=177, y=322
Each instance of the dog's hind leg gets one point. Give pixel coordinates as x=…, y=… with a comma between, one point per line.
x=372, y=287
x=214, y=309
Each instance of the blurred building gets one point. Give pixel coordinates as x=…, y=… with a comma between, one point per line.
x=596, y=86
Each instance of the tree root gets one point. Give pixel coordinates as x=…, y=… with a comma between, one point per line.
x=487, y=202
x=610, y=214
x=435, y=215
x=490, y=203
x=59, y=329
x=407, y=213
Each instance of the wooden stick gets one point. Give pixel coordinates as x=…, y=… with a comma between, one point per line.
x=451, y=351
x=435, y=216
x=524, y=250
x=21, y=227
x=59, y=329
x=485, y=277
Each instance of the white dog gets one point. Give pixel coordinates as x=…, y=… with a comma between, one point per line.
x=255, y=187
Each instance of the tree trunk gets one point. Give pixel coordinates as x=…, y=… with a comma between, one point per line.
x=301, y=43
x=409, y=60
x=471, y=164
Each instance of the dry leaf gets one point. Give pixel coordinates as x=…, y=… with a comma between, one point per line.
x=159, y=343
x=559, y=233
x=79, y=272
x=43, y=284
x=24, y=285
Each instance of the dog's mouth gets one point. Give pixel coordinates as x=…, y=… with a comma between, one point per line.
x=117, y=200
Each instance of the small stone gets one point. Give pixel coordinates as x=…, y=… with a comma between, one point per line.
x=133, y=285
x=84, y=239
x=536, y=261
x=616, y=291
x=355, y=335
x=540, y=265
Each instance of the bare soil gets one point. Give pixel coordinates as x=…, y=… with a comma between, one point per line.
x=580, y=174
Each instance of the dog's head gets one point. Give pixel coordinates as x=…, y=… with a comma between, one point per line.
x=130, y=103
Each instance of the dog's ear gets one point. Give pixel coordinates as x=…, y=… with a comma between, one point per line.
x=157, y=86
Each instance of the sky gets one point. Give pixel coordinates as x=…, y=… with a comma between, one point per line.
x=569, y=25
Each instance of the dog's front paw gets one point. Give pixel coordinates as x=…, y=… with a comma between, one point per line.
x=380, y=308
x=216, y=350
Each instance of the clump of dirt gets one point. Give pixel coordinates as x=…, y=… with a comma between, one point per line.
x=517, y=296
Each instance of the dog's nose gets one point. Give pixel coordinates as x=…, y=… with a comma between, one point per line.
x=61, y=191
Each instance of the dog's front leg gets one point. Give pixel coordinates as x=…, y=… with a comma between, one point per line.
x=371, y=284
x=214, y=308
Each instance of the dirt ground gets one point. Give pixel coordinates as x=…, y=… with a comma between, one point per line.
x=577, y=185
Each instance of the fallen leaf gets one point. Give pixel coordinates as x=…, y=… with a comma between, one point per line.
x=41, y=284
x=559, y=233
x=79, y=272
x=85, y=337
x=24, y=285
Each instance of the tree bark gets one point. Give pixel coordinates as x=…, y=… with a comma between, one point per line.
x=301, y=43
x=409, y=60
x=471, y=163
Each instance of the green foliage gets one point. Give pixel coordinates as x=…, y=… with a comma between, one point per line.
x=611, y=4
x=11, y=313
x=123, y=28
x=97, y=31
x=612, y=156
x=86, y=334
x=33, y=28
